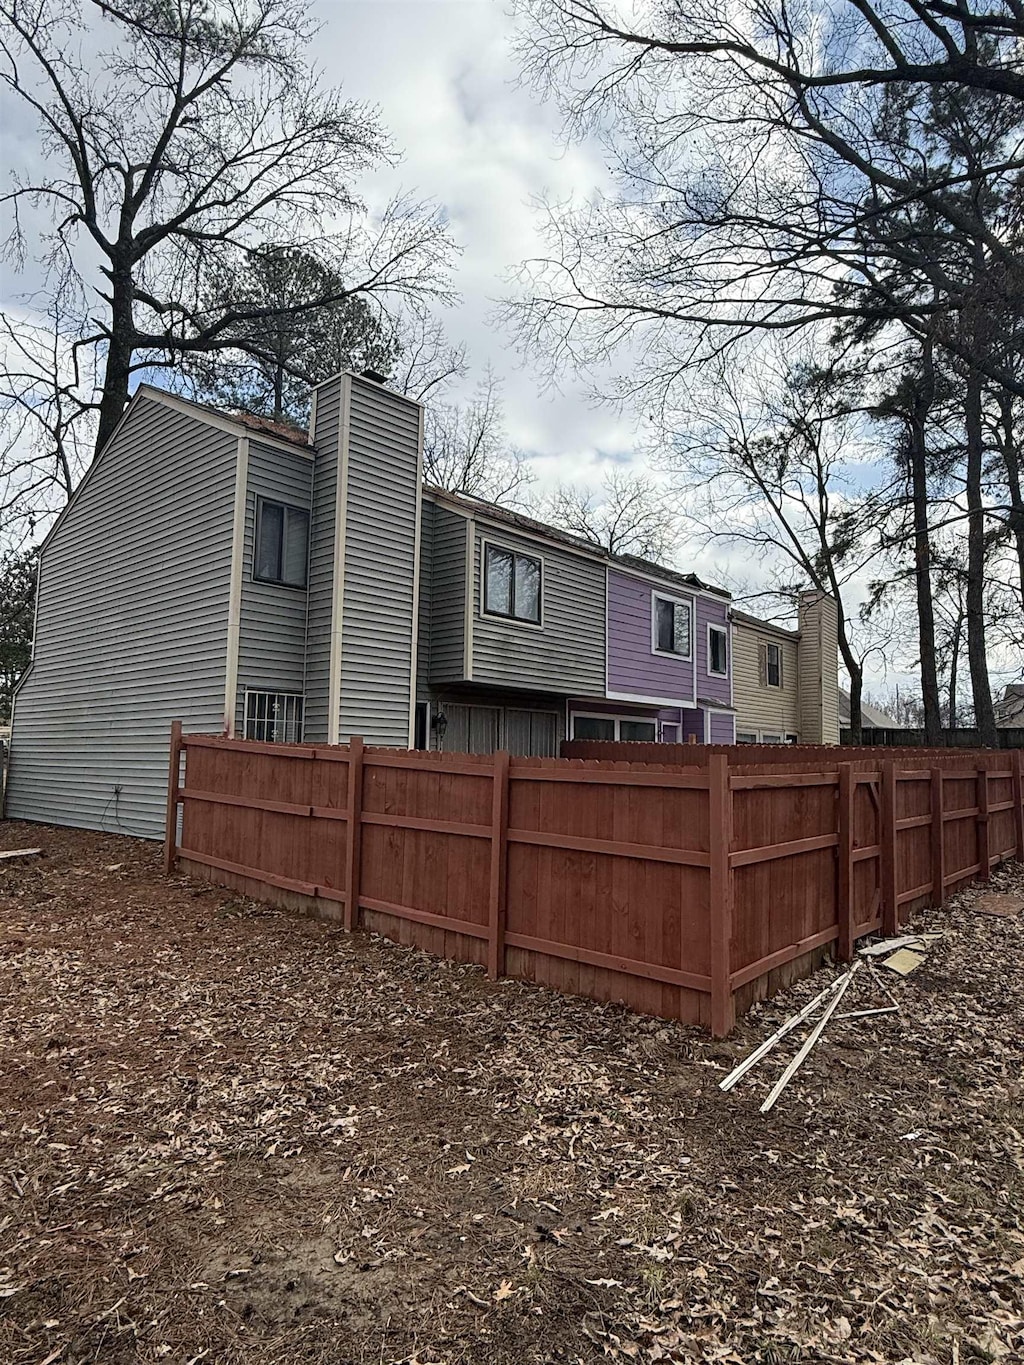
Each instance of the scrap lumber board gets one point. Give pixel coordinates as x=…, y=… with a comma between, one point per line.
x=18, y=853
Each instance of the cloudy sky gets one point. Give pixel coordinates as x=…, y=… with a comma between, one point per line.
x=443, y=75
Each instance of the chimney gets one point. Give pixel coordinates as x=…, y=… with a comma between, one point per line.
x=364, y=557
x=818, y=668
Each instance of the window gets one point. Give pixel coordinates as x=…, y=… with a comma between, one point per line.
x=770, y=739
x=512, y=585
x=770, y=665
x=638, y=730
x=593, y=727
x=613, y=727
x=746, y=737
x=282, y=542
x=671, y=626
x=792, y=739
x=273, y=717
x=718, y=651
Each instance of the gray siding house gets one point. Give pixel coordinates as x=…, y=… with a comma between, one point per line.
x=253, y=581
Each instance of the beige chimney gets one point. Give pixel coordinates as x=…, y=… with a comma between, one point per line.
x=818, y=668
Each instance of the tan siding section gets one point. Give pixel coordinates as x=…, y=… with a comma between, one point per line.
x=760, y=708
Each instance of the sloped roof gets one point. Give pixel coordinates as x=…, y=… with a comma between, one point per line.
x=474, y=506
x=869, y=715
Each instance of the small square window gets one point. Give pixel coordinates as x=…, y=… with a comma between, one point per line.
x=718, y=651
x=273, y=717
x=512, y=585
x=282, y=544
x=671, y=627
x=746, y=737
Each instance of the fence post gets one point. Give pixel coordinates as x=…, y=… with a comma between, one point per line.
x=1017, y=763
x=844, y=880
x=353, y=832
x=888, y=863
x=720, y=899
x=173, y=777
x=499, y=868
x=984, y=843
x=938, y=839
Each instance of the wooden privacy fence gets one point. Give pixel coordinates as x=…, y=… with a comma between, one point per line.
x=685, y=892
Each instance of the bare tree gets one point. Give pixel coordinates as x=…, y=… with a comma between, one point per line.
x=752, y=173
x=201, y=136
x=768, y=460
x=631, y=514
x=466, y=450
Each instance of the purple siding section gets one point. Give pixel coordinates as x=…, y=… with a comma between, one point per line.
x=632, y=665
x=723, y=729
x=714, y=613
x=693, y=724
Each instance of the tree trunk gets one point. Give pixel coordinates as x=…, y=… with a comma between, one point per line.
x=954, y=661
x=918, y=454
x=984, y=713
x=120, y=350
x=1011, y=458
x=856, y=671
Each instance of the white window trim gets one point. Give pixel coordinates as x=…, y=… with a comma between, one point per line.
x=750, y=737
x=714, y=672
x=615, y=717
x=771, y=738
x=523, y=554
x=687, y=602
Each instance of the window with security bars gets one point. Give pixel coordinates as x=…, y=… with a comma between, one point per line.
x=273, y=717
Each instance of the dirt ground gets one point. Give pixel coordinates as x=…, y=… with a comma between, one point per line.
x=232, y=1134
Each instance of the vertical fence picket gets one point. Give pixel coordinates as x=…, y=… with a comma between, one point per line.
x=984, y=846
x=1018, y=801
x=173, y=778
x=720, y=899
x=354, y=831
x=499, y=868
x=889, y=862
x=938, y=838
x=844, y=899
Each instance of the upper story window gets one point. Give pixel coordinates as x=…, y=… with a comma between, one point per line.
x=770, y=665
x=512, y=584
x=718, y=651
x=671, y=626
x=282, y=544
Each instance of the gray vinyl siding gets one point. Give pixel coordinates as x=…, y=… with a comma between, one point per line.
x=379, y=607
x=321, y=560
x=131, y=626
x=272, y=635
x=448, y=596
x=423, y=611
x=567, y=653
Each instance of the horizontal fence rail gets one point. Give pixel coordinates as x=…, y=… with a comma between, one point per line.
x=685, y=888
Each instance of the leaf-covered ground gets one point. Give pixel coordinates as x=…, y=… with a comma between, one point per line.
x=231, y=1134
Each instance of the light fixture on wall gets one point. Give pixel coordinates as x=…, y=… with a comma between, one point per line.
x=439, y=725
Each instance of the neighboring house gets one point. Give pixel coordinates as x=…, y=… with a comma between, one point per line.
x=1009, y=708
x=229, y=573
x=870, y=716
x=786, y=686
